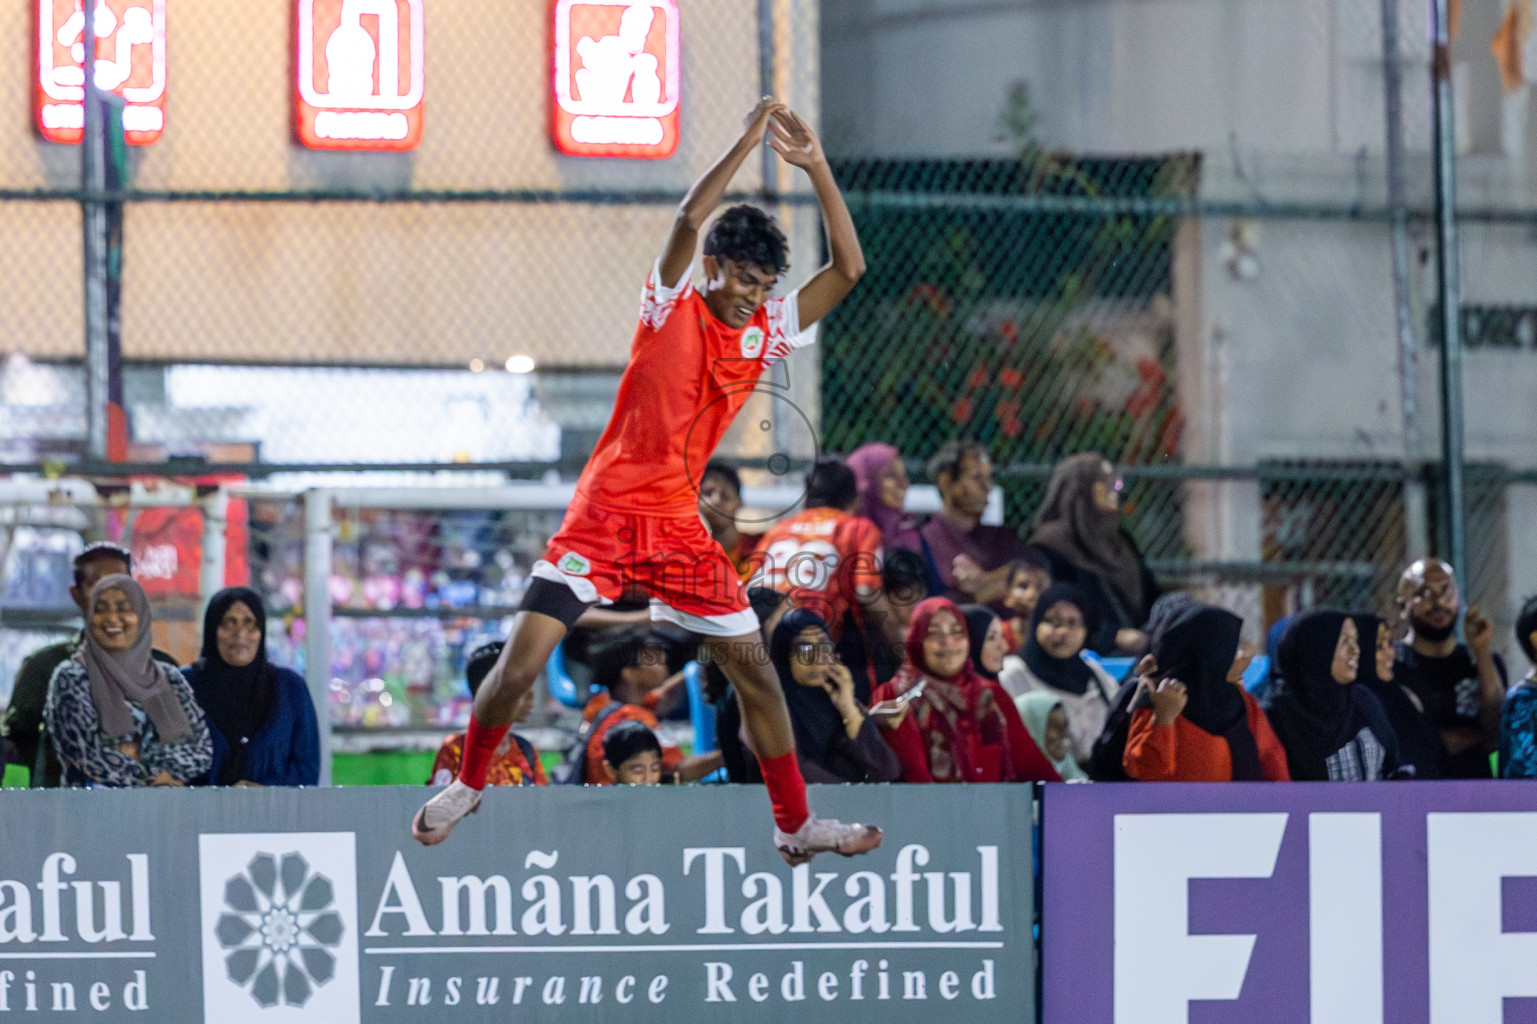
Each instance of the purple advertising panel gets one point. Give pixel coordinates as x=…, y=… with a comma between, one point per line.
x=1329, y=903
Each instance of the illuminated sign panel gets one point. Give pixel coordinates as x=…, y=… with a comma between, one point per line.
x=617, y=78
x=130, y=61
x=361, y=73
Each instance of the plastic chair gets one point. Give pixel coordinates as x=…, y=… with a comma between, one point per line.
x=1117, y=667
x=562, y=686
x=702, y=716
x=1256, y=674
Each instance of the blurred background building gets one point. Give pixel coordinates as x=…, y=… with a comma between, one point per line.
x=1194, y=235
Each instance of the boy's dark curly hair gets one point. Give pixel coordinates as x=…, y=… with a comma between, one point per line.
x=745, y=234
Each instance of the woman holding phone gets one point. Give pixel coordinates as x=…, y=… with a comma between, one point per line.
x=944, y=720
x=835, y=740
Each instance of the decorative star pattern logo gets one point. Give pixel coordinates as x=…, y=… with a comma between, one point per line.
x=279, y=928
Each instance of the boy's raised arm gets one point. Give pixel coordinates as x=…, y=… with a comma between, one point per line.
x=798, y=144
x=706, y=193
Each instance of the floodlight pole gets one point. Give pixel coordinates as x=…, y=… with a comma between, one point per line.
x=1453, y=529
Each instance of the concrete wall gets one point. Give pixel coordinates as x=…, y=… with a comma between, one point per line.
x=1284, y=101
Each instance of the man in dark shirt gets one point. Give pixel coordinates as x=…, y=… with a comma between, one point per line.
x=972, y=560
x=1461, y=686
x=23, y=722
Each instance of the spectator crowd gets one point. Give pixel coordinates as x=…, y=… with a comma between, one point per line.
x=907, y=651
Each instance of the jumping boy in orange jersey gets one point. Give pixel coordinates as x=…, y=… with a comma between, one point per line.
x=635, y=517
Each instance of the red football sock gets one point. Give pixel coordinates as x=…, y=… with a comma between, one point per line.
x=787, y=791
x=480, y=743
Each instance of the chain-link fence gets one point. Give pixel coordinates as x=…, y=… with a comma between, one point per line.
x=1199, y=255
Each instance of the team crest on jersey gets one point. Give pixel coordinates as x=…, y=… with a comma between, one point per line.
x=574, y=564
x=752, y=343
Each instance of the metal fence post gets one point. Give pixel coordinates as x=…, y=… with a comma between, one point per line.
x=215, y=543
x=767, y=80
x=93, y=214
x=1416, y=535
x=317, y=616
x=1448, y=296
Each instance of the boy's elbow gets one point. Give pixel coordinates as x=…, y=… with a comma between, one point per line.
x=853, y=271
x=690, y=219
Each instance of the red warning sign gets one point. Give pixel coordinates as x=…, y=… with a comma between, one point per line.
x=130, y=61
x=361, y=73
x=617, y=78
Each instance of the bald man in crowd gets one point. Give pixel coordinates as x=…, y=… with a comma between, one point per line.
x=1460, y=686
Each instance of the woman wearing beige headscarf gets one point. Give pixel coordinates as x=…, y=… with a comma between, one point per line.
x=115, y=715
x=1079, y=527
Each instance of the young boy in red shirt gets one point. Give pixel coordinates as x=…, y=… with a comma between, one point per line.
x=515, y=762
x=635, y=520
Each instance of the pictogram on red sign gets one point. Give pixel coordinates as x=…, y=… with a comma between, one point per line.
x=130, y=61
x=360, y=73
x=617, y=78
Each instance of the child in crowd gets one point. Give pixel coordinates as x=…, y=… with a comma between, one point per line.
x=1518, y=719
x=515, y=762
x=1029, y=577
x=1046, y=719
x=632, y=756
x=720, y=499
x=632, y=668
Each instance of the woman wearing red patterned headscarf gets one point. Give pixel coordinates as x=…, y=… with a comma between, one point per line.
x=944, y=720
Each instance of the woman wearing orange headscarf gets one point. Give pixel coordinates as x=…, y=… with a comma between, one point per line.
x=945, y=721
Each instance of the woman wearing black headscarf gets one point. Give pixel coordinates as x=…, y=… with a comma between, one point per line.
x=835, y=741
x=1196, y=724
x=988, y=646
x=1079, y=527
x=264, y=730
x=834, y=738
x=1419, y=744
x=1333, y=730
x=1052, y=660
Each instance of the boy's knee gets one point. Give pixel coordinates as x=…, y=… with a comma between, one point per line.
x=518, y=676
x=752, y=676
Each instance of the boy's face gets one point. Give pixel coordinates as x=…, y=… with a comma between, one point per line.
x=649, y=670
x=719, y=502
x=1025, y=589
x=734, y=291
x=643, y=769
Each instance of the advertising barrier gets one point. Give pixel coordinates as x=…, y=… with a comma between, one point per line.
x=259, y=906
x=1329, y=903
